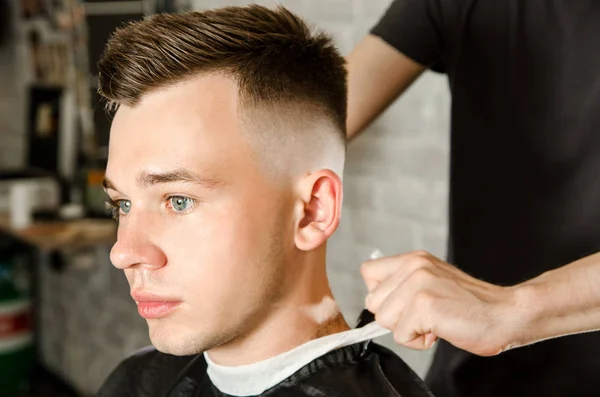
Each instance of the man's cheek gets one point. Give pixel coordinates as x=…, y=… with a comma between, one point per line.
x=225, y=237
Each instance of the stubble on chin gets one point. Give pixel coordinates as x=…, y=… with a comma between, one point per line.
x=186, y=345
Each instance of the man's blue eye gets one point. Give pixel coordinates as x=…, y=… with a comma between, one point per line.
x=181, y=203
x=125, y=206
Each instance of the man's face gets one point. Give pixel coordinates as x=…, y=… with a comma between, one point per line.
x=202, y=229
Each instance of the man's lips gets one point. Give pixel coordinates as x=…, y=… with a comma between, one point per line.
x=152, y=306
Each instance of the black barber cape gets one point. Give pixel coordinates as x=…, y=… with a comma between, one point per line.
x=363, y=369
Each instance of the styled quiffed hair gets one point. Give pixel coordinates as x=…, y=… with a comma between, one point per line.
x=272, y=55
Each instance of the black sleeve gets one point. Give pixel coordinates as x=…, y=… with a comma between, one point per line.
x=418, y=29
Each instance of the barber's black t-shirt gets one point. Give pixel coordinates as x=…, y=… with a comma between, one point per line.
x=525, y=165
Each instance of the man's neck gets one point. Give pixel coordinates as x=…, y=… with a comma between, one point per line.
x=308, y=313
x=281, y=332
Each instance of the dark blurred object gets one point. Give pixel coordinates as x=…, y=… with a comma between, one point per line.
x=49, y=147
x=94, y=196
x=33, y=8
x=17, y=352
x=365, y=317
x=21, y=373
x=101, y=23
x=48, y=60
x=172, y=5
x=5, y=21
x=43, y=132
x=102, y=122
x=45, y=384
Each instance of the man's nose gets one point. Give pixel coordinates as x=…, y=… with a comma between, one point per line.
x=134, y=247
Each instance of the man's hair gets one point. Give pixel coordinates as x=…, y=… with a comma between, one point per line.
x=272, y=55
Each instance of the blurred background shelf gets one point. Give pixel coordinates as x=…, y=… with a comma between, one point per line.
x=64, y=235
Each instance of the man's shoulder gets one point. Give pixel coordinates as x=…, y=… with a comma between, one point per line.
x=360, y=370
x=383, y=373
x=146, y=372
x=401, y=377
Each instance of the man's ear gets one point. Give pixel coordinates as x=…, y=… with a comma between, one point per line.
x=319, y=209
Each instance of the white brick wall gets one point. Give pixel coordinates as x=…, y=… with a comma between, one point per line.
x=396, y=174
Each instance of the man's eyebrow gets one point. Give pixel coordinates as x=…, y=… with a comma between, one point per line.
x=107, y=184
x=147, y=178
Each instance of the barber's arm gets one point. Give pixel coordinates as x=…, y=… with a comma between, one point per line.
x=421, y=298
x=377, y=75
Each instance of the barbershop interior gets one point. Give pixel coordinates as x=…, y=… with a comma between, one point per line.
x=67, y=317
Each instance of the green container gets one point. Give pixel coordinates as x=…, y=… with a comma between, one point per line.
x=17, y=353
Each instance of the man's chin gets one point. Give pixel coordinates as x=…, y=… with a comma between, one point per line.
x=174, y=350
x=172, y=345
x=175, y=341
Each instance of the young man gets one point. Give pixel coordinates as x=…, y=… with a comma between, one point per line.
x=225, y=162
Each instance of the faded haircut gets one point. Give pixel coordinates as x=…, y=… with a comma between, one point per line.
x=273, y=56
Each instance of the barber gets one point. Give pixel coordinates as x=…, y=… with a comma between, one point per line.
x=524, y=213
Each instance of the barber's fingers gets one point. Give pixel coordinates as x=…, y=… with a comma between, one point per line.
x=393, y=299
x=447, y=311
x=387, y=304
x=421, y=298
x=381, y=292
x=414, y=324
x=407, y=308
x=419, y=342
x=416, y=274
x=378, y=270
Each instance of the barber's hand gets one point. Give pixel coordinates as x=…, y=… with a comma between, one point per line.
x=421, y=298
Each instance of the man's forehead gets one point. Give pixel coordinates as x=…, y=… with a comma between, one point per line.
x=193, y=125
x=204, y=89
x=205, y=105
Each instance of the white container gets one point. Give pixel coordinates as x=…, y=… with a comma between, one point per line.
x=21, y=205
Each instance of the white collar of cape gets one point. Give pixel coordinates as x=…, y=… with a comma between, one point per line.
x=253, y=379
